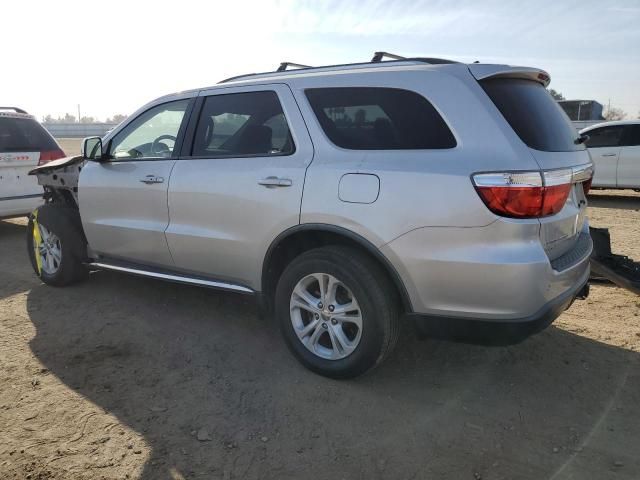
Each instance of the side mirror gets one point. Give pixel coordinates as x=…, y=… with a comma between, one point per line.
x=92, y=149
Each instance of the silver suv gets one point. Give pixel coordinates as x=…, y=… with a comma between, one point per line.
x=342, y=197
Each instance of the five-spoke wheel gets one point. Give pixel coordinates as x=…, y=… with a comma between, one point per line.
x=337, y=310
x=326, y=316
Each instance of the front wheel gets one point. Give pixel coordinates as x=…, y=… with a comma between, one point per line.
x=56, y=245
x=337, y=311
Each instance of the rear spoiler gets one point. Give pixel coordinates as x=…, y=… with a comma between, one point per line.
x=483, y=71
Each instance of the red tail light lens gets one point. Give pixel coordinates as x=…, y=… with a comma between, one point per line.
x=557, y=185
x=586, y=186
x=524, y=194
x=47, y=156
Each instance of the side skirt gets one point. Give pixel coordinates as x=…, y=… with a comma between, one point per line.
x=173, y=277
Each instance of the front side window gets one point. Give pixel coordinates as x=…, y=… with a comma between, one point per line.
x=152, y=135
x=242, y=124
x=604, y=137
x=631, y=137
x=373, y=118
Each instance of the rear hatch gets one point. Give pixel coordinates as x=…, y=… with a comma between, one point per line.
x=522, y=99
x=24, y=144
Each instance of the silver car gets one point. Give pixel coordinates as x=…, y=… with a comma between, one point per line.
x=345, y=198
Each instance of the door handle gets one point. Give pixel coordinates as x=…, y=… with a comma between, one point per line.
x=273, y=182
x=149, y=179
x=609, y=154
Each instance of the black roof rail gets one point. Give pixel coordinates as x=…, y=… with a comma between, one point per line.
x=378, y=56
x=15, y=109
x=284, y=65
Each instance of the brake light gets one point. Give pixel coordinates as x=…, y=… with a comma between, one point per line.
x=586, y=186
x=47, y=156
x=524, y=194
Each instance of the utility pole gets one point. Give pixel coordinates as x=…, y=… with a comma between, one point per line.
x=78, y=113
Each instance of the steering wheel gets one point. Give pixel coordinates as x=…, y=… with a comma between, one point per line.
x=156, y=143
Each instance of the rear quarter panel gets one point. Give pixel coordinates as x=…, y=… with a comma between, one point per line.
x=418, y=188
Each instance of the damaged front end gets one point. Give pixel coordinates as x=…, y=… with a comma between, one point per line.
x=59, y=179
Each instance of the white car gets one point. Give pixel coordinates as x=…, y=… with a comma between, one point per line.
x=24, y=144
x=615, y=151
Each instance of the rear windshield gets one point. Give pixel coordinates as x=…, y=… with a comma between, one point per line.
x=24, y=135
x=373, y=118
x=534, y=115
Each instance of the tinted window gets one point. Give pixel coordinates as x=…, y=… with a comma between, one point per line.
x=604, y=137
x=534, y=115
x=366, y=118
x=242, y=124
x=631, y=136
x=24, y=135
x=151, y=135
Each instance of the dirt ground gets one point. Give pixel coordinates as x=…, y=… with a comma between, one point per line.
x=122, y=377
x=70, y=146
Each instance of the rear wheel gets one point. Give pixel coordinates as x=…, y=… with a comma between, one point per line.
x=337, y=311
x=56, y=245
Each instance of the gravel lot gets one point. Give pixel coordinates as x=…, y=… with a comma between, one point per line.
x=123, y=377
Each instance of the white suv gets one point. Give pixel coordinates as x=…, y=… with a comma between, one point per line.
x=342, y=196
x=24, y=143
x=615, y=151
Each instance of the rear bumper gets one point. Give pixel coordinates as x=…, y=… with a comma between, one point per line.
x=19, y=206
x=497, y=332
x=499, y=273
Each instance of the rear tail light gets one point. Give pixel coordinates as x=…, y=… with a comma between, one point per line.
x=557, y=186
x=48, y=155
x=524, y=194
x=586, y=186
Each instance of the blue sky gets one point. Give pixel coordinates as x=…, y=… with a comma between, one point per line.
x=113, y=58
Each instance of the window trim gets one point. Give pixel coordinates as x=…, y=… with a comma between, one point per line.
x=179, y=137
x=192, y=128
x=411, y=150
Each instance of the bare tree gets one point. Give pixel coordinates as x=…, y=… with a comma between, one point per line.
x=613, y=113
x=116, y=118
x=556, y=95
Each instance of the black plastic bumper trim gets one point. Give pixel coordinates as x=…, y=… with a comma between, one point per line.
x=490, y=332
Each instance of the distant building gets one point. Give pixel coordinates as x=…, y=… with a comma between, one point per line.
x=582, y=109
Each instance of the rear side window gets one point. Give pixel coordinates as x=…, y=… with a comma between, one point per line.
x=242, y=124
x=604, y=137
x=631, y=136
x=24, y=135
x=533, y=114
x=371, y=118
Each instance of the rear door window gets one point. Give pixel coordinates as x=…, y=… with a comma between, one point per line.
x=604, y=137
x=533, y=114
x=372, y=118
x=242, y=124
x=24, y=135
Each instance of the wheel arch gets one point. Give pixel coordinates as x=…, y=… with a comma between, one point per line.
x=301, y=238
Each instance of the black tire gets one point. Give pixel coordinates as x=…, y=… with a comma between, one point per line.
x=375, y=295
x=64, y=222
